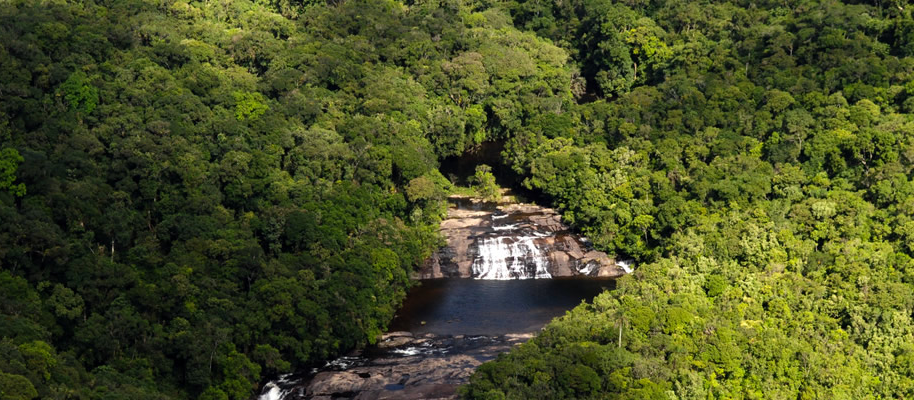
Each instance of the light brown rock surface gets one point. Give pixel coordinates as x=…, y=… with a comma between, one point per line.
x=425, y=367
x=469, y=220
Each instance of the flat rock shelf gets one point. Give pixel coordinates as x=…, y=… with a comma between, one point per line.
x=487, y=240
x=401, y=366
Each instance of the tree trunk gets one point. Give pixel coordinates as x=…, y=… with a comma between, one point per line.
x=620, y=334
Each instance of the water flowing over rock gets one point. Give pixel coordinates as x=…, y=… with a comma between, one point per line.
x=513, y=241
x=509, y=258
x=486, y=241
x=401, y=366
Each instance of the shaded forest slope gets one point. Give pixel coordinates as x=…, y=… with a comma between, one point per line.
x=197, y=195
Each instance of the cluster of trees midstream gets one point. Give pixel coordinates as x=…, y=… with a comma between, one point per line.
x=198, y=195
x=756, y=159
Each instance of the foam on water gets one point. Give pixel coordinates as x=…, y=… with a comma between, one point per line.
x=626, y=265
x=588, y=268
x=510, y=257
x=273, y=391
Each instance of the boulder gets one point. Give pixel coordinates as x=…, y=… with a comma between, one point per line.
x=420, y=376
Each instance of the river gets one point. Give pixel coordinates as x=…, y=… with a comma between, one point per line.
x=508, y=269
x=491, y=307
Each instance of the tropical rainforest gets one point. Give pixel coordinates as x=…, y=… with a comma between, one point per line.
x=198, y=195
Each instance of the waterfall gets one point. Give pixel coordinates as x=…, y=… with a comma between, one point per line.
x=278, y=389
x=509, y=251
x=626, y=265
x=510, y=257
x=271, y=392
x=513, y=241
x=486, y=242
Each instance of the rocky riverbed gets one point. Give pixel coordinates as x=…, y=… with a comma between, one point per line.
x=401, y=366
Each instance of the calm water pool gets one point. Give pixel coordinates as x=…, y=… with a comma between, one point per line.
x=487, y=307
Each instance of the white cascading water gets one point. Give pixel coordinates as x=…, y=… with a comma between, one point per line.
x=588, y=268
x=508, y=257
x=273, y=391
x=626, y=265
x=510, y=253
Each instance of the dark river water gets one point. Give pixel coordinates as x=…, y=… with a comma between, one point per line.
x=447, y=327
x=489, y=307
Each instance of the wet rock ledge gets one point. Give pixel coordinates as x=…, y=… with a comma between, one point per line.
x=471, y=221
x=402, y=366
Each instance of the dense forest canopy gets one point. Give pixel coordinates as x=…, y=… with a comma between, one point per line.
x=756, y=157
x=196, y=195
x=199, y=195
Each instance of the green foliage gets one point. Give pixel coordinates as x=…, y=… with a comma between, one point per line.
x=484, y=183
x=79, y=93
x=9, y=162
x=223, y=191
x=220, y=191
x=745, y=174
x=16, y=387
x=249, y=106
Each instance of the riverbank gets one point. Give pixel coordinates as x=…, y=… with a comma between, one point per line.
x=527, y=268
x=401, y=366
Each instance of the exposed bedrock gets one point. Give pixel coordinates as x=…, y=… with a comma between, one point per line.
x=402, y=366
x=513, y=241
